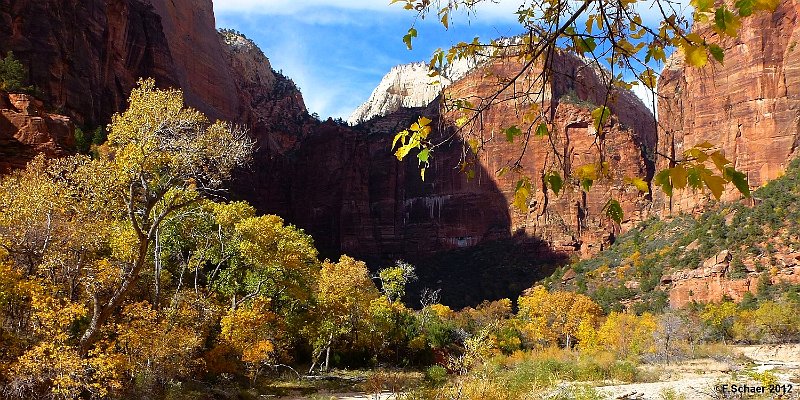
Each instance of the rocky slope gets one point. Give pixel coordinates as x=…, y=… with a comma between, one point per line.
x=727, y=251
x=749, y=105
x=26, y=130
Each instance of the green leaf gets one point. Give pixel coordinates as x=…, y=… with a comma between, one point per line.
x=662, y=179
x=702, y=5
x=511, y=132
x=695, y=178
x=586, y=184
x=739, y=180
x=541, y=130
x=423, y=155
x=470, y=174
x=584, y=44
x=745, y=7
x=555, y=182
x=614, y=211
x=726, y=22
x=412, y=33
x=600, y=115
x=717, y=52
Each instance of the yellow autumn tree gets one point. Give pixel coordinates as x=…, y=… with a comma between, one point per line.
x=252, y=332
x=345, y=293
x=627, y=335
x=161, y=157
x=555, y=318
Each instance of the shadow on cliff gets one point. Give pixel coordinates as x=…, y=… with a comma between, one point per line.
x=488, y=271
x=344, y=186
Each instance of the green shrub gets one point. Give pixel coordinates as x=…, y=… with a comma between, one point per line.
x=12, y=74
x=436, y=375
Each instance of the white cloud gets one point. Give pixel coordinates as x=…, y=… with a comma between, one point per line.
x=490, y=10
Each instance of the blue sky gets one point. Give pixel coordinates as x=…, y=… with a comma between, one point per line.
x=337, y=51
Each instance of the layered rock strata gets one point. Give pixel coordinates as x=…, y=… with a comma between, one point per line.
x=749, y=106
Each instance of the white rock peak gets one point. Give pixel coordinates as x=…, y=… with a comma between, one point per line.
x=408, y=85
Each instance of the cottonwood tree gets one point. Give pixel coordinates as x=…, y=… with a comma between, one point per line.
x=344, y=295
x=161, y=157
x=552, y=317
x=630, y=39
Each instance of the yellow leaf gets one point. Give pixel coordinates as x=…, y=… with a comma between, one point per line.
x=639, y=183
x=679, y=176
x=769, y=5
x=588, y=171
x=696, y=56
x=715, y=183
x=719, y=160
x=473, y=145
x=649, y=78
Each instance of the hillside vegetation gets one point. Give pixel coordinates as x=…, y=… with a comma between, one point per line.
x=756, y=239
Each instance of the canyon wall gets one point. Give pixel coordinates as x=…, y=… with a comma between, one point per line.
x=749, y=105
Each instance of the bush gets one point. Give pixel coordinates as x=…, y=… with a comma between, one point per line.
x=12, y=74
x=436, y=375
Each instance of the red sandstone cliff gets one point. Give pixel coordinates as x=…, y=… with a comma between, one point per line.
x=749, y=106
x=26, y=130
x=344, y=186
x=384, y=208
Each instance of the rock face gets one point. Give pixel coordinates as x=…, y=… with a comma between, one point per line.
x=85, y=56
x=26, y=130
x=408, y=86
x=573, y=221
x=448, y=210
x=88, y=73
x=343, y=185
x=749, y=106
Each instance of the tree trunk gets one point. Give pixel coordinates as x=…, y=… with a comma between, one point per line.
x=102, y=312
x=327, y=358
x=157, y=277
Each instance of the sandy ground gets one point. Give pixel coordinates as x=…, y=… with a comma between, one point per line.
x=347, y=396
x=692, y=379
x=697, y=379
